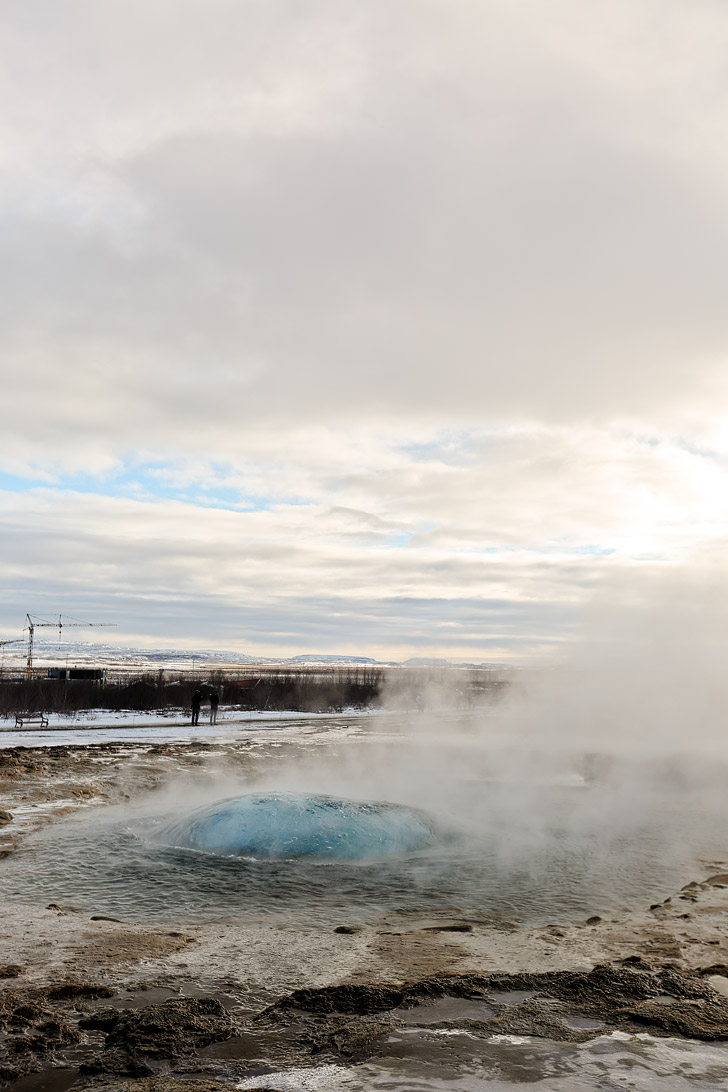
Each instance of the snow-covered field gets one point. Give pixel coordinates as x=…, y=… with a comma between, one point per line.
x=168, y=726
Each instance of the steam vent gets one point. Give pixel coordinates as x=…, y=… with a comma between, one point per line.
x=296, y=824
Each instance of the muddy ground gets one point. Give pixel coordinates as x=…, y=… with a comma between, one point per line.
x=91, y=1002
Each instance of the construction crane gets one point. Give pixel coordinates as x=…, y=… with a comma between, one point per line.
x=32, y=624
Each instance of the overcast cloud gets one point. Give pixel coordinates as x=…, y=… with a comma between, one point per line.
x=375, y=327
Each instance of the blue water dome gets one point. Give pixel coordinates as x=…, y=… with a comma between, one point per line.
x=280, y=825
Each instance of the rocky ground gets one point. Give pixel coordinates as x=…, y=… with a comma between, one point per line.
x=91, y=1002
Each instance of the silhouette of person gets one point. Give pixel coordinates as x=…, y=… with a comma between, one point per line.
x=196, y=702
x=214, y=702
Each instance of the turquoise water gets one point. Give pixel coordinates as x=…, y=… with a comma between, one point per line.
x=284, y=825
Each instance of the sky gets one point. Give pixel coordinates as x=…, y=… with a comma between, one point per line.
x=393, y=328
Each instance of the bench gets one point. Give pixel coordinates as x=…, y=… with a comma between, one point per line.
x=31, y=718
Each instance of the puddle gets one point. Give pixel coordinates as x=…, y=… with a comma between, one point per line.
x=582, y=1023
x=511, y=997
x=47, y=1080
x=444, y=1009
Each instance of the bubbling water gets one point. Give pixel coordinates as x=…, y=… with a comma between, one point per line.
x=284, y=825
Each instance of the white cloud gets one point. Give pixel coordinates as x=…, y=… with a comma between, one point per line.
x=455, y=268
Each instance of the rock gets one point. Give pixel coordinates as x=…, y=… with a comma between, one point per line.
x=71, y=990
x=119, y=1061
x=5, y=817
x=11, y=970
x=719, y=880
x=348, y=998
x=593, y=920
x=636, y=961
x=348, y=930
x=621, y=997
x=457, y=927
x=101, y=1020
x=50, y=1035
x=355, y=1037
x=171, y=1084
x=103, y=917
x=714, y=968
x=171, y=1030
x=707, y=1021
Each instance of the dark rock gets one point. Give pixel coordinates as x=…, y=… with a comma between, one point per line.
x=51, y=1035
x=708, y=1021
x=593, y=920
x=102, y=1020
x=349, y=930
x=11, y=970
x=169, y=1083
x=67, y=990
x=624, y=997
x=9, y=1073
x=116, y=1060
x=6, y=817
x=455, y=928
x=103, y=917
x=636, y=961
x=170, y=1030
x=24, y=1013
x=355, y=1038
x=360, y=999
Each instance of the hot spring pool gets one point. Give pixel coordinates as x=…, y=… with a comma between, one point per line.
x=311, y=858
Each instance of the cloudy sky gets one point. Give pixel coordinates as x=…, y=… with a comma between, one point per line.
x=395, y=327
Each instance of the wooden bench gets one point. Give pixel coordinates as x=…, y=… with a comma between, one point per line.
x=31, y=718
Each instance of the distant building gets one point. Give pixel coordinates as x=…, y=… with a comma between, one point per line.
x=77, y=674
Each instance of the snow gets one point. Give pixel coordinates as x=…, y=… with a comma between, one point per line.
x=172, y=726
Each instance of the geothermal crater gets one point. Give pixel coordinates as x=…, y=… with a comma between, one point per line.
x=275, y=825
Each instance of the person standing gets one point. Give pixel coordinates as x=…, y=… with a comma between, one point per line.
x=196, y=702
x=214, y=702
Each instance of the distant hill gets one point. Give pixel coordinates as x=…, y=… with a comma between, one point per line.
x=428, y=661
x=327, y=658
x=48, y=653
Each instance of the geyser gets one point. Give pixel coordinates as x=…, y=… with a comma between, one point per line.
x=297, y=824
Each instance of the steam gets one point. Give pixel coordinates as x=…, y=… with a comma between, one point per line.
x=607, y=771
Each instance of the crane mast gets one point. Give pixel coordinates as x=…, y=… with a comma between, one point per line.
x=31, y=624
